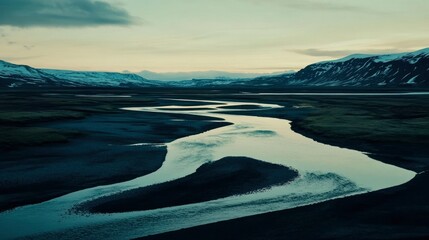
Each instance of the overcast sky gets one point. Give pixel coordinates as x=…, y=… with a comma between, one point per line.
x=197, y=35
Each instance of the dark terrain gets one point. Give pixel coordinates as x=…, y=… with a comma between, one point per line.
x=392, y=129
x=225, y=177
x=52, y=145
x=62, y=130
x=397, y=213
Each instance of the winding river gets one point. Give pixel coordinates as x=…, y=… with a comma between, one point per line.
x=325, y=172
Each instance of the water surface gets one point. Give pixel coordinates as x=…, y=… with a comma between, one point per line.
x=326, y=172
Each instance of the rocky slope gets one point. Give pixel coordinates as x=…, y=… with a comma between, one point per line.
x=359, y=70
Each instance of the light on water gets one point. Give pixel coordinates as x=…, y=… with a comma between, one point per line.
x=326, y=172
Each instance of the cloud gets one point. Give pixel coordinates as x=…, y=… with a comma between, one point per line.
x=341, y=53
x=61, y=13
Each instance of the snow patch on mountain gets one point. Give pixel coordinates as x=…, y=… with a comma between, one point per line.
x=363, y=70
x=111, y=79
x=358, y=70
x=13, y=75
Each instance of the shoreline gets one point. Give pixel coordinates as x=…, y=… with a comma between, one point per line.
x=100, y=156
x=214, y=180
x=393, y=213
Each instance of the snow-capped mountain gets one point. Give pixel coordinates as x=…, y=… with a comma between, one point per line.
x=102, y=79
x=12, y=75
x=360, y=70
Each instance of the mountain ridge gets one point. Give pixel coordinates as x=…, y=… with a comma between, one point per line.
x=361, y=70
x=356, y=70
x=212, y=74
x=14, y=75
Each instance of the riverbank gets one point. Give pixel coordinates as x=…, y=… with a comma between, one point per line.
x=391, y=129
x=397, y=213
x=56, y=144
x=223, y=178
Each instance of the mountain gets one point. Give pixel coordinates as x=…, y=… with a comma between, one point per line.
x=218, y=82
x=104, y=79
x=360, y=70
x=12, y=75
x=179, y=76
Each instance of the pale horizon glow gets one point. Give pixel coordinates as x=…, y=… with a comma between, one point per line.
x=255, y=36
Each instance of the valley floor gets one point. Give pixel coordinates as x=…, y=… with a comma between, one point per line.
x=392, y=129
x=52, y=145
x=53, y=138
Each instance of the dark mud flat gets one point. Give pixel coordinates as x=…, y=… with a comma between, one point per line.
x=225, y=177
x=98, y=153
x=397, y=213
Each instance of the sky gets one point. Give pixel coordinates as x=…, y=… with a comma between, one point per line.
x=198, y=35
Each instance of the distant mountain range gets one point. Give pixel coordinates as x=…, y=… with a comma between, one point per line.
x=179, y=76
x=358, y=70
x=12, y=75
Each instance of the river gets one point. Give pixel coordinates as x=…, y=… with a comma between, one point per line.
x=325, y=172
